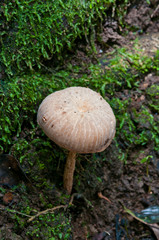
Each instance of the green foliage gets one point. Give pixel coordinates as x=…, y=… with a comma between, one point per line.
x=33, y=31
x=146, y=159
x=121, y=10
x=50, y=226
x=125, y=125
x=54, y=225
x=153, y=91
x=156, y=61
x=19, y=100
x=135, y=127
x=153, y=95
x=148, y=127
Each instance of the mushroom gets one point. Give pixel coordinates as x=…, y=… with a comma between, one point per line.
x=79, y=120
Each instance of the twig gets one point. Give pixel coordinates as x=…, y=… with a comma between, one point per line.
x=89, y=204
x=152, y=225
x=72, y=198
x=31, y=218
x=14, y=211
x=49, y=210
x=55, y=208
x=45, y=212
x=153, y=14
x=100, y=195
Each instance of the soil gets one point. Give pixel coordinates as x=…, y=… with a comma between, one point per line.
x=129, y=184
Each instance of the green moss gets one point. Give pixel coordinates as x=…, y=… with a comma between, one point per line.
x=50, y=226
x=153, y=95
x=34, y=31
x=47, y=226
x=20, y=98
x=153, y=91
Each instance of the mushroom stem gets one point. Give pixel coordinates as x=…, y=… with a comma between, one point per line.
x=69, y=172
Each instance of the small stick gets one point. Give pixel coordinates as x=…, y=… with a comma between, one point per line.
x=55, y=208
x=153, y=14
x=45, y=212
x=100, y=195
x=89, y=204
x=14, y=211
x=72, y=198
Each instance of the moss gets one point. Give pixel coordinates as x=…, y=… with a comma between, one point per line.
x=153, y=91
x=153, y=95
x=20, y=98
x=33, y=31
x=50, y=226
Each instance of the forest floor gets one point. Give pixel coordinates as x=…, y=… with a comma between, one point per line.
x=132, y=184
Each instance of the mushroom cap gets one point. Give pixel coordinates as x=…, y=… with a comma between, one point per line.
x=77, y=119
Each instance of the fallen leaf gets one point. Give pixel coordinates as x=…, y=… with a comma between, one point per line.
x=8, y=198
x=153, y=226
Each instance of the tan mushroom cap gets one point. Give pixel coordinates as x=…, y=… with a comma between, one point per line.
x=77, y=119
